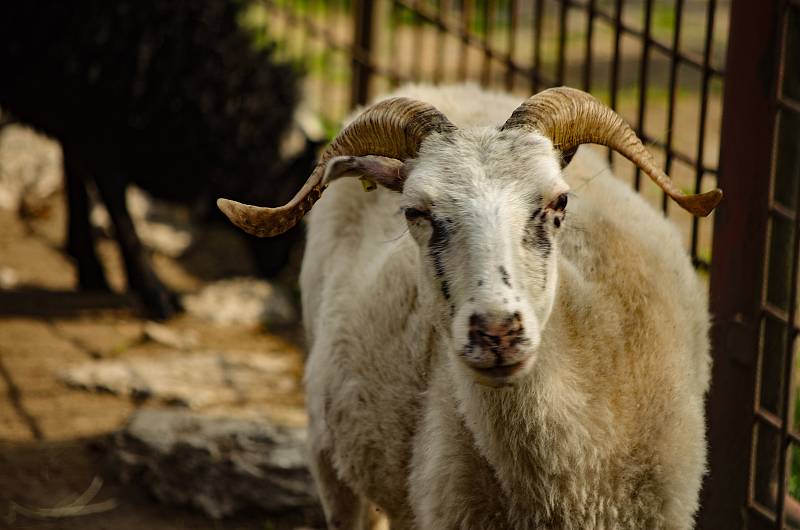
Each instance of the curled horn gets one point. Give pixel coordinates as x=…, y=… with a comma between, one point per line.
x=571, y=117
x=393, y=128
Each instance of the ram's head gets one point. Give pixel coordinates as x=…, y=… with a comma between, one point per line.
x=484, y=205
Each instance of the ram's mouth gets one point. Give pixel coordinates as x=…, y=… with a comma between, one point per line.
x=498, y=375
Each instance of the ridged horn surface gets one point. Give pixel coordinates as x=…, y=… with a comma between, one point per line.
x=393, y=128
x=571, y=117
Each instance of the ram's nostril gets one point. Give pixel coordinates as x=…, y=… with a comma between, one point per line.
x=490, y=332
x=477, y=323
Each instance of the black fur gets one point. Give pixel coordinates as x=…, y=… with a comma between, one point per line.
x=504, y=276
x=171, y=95
x=536, y=234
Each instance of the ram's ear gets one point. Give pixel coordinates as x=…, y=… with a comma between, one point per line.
x=388, y=172
x=566, y=156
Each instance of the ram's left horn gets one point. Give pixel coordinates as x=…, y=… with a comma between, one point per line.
x=571, y=117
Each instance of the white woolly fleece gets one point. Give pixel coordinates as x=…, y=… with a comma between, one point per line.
x=604, y=427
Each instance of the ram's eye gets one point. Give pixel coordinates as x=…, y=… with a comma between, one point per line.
x=559, y=203
x=412, y=214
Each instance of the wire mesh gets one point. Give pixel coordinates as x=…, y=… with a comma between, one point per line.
x=777, y=408
x=658, y=63
x=661, y=65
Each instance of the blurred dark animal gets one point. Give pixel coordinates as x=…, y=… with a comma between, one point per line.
x=168, y=94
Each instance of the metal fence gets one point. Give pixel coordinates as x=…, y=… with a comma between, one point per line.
x=662, y=66
x=753, y=411
x=658, y=63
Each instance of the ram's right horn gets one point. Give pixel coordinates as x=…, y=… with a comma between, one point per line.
x=394, y=128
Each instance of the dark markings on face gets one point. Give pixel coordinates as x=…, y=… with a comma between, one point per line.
x=480, y=283
x=440, y=238
x=504, y=276
x=536, y=234
x=543, y=240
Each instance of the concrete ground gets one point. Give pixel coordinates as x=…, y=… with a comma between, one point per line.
x=53, y=437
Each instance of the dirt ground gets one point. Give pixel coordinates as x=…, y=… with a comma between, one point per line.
x=52, y=437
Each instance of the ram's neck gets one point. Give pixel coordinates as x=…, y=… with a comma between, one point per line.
x=538, y=433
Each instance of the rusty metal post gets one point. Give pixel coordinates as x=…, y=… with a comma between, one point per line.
x=739, y=252
x=363, y=18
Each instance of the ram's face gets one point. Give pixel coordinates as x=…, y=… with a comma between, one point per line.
x=485, y=208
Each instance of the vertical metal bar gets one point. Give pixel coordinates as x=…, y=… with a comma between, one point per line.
x=673, y=84
x=587, y=63
x=325, y=95
x=748, y=125
x=537, y=44
x=512, y=42
x=464, y=53
x=319, y=92
x=701, y=146
x=415, y=35
x=615, y=60
x=488, y=27
x=363, y=12
x=644, y=66
x=445, y=8
x=789, y=360
x=345, y=100
x=562, y=41
x=393, y=81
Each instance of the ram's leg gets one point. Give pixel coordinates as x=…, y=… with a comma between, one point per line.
x=344, y=508
x=158, y=301
x=80, y=237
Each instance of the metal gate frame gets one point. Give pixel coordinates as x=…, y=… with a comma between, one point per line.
x=753, y=99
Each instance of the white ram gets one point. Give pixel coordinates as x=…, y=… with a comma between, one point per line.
x=484, y=356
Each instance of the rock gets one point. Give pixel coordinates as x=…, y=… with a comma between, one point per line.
x=9, y=278
x=242, y=301
x=30, y=166
x=162, y=226
x=31, y=171
x=198, y=379
x=221, y=465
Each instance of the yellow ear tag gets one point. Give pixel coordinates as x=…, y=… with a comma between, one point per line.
x=368, y=184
